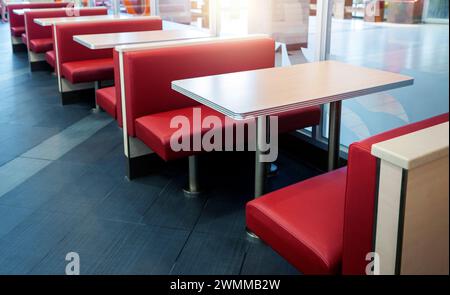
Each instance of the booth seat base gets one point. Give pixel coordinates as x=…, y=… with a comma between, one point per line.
x=77, y=96
x=19, y=47
x=37, y=61
x=40, y=66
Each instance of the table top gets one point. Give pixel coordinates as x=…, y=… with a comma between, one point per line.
x=270, y=91
x=20, y=11
x=415, y=149
x=58, y=20
x=16, y=2
x=110, y=40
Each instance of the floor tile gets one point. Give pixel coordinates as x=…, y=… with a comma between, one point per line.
x=146, y=251
x=262, y=260
x=30, y=241
x=206, y=254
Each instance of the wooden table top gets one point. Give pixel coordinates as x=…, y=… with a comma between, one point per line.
x=270, y=91
x=58, y=20
x=111, y=40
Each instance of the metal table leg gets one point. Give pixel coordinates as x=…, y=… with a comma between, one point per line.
x=97, y=86
x=193, y=188
x=262, y=135
x=334, y=135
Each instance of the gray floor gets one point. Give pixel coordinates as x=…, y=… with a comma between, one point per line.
x=62, y=189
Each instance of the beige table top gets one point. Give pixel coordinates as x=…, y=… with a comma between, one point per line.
x=270, y=91
x=20, y=11
x=102, y=41
x=58, y=20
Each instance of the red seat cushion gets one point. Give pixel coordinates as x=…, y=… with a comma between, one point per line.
x=90, y=70
x=106, y=99
x=17, y=31
x=50, y=57
x=24, y=39
x=41, y=45
x=304, y=222
x=154, y=130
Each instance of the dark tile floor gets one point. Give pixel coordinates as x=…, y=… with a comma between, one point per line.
x=62, y=189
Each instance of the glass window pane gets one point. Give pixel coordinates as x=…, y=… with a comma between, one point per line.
x=418, y=50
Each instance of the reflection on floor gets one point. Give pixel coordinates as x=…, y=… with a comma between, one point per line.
x=62, y=189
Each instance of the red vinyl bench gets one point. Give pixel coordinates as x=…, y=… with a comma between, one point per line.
x=108, y=98
x=17, y=22
x=39, y=38
x=151, y=103
x=79, y=67
x=324, y=225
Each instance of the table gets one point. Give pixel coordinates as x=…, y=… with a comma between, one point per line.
x=58, y=20
x=262, y=93
x=111, y=40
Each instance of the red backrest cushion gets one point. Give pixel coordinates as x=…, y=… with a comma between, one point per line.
x=35, y=31
x=69, y=50
x=149, y=73
x=360, y=195
x=19, y=20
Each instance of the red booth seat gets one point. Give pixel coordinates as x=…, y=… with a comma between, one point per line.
x=106, y=99
x=24, y=38
x=109, y=99
x=18, y=31
x=80, y=64
x=50, y=57
x=88, y=70
x=40, y=38
x=156, y=132
x=17, y=22
x=324, y=225
x=151, y=103
x=41, y=45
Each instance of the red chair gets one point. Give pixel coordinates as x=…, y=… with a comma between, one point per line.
x=17, y=22
x=324, y=225
x=78, y=65
x=151, y=103
x=39, y=39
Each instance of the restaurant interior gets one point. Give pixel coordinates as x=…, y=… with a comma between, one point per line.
x=224, y=137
